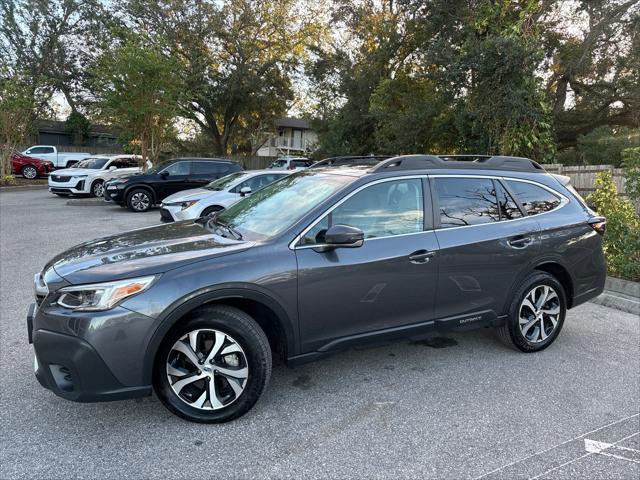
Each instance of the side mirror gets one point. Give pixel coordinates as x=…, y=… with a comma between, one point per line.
x=164, y=174
x=343, y=236
x=245, y=191
x=112, y=168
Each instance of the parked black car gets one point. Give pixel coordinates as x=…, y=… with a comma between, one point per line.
x=141, y=192
x=323, y=260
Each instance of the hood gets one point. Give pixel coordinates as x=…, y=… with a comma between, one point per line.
x=73, y=172
x=186, y=195
x=142, y=252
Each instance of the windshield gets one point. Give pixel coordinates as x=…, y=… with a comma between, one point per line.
x=278, y=206
x=95, y=163
x=223, y=182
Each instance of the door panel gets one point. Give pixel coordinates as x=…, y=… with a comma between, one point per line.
x=479, y=262
x=350, y=291
x=387, y=283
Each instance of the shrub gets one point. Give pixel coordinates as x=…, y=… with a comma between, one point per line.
x=622, y=237
x=631, y=167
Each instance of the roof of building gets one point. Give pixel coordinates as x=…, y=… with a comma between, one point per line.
x=292, y=122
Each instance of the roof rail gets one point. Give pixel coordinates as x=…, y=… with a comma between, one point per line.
x=420, y=162
x=350, y=160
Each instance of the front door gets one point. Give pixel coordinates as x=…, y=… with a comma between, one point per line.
x=175, y=179
x=348, y=294
x=485, y=241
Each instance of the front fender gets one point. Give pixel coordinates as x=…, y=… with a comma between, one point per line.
x=181, y=307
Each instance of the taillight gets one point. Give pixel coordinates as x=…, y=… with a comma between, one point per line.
x=599, y=224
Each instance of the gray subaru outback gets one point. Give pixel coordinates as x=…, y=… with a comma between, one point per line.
x=347, y=253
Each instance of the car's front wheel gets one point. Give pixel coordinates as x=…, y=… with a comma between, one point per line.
x=97, y=188
x=139, y=200
x=536, y=314
x=211, y=210
x=29, y=172
x=213, y=367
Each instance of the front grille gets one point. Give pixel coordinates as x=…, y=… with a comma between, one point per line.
x=60, y=178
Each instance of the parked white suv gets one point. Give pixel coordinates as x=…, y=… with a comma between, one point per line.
x=89, y=175
x=291, y=163
x=217, y=195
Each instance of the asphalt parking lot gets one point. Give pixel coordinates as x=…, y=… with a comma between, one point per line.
x=458, y=407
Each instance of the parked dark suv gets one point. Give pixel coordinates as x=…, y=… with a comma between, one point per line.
x=141, y=192
x=323, y=260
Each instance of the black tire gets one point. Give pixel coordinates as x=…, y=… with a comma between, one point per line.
x=210, y=210
x=139, y=200
x=511, y=333
x=246, y=333
x=29, y=172
x=97, y=189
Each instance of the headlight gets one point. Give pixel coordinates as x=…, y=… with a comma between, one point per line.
x=188, y=204
x=79, y=177
x=101, y=296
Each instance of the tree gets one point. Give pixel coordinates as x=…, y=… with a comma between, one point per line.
x=16, y=110
x=236, y=57
x=137, y=89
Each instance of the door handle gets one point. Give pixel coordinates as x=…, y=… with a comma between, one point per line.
x=520, y=241
x=421, y=256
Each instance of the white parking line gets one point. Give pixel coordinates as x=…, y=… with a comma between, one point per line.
x=522, y=459
x=599, y=448
x=540, y=475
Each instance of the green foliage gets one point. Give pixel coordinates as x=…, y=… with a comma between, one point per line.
x=622, y=237
x=631, y=167
x=137, y=90
x=604, y=145
x=16, y=115
x=77, y=125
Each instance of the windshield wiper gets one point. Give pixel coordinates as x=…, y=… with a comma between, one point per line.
x=234, y=233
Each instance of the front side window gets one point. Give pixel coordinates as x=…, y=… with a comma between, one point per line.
x=257, y=182
x=281, y=204
x=41, y=150
x=534, y=199
x=92, y=163
x=466, y=201
x=178, y=168
x=381, y=210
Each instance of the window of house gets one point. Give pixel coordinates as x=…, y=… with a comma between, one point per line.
x=534, y=199
x=466, y=201
x=381, y=210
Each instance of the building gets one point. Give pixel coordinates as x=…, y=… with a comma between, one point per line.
x=291, y=136
x=54, y=132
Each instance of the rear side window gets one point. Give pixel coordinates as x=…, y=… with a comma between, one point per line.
x=381, y=210
x=210, y=168
x=508, y=208
x=534, y=199
x=466, y=201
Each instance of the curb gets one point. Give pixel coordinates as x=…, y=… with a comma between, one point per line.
x=86, y=202
x=620, y=294
x=22, y=187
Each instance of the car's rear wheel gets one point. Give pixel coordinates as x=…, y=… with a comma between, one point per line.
x=211, y=210
x=29, y=172
x=536, y=314
x=213, y=367
x=97, y=188
x=139, y=200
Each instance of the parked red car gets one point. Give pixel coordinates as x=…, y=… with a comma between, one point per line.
x=30, y=167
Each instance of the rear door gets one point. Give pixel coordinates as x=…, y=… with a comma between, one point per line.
x=485, y=241
x=204, y=172
x=357, y=295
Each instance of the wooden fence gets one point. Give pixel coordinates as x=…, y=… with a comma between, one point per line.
x=583, y=177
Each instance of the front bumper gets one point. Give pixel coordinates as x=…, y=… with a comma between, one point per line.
x=71, y=367
x=175, y=213
x=114, y=193
x=72, y=186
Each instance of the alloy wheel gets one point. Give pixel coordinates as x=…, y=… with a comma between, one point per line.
x=207, y=369
x=140, y=201
x=98, y=189
x=539, y=313
x=29, y=173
